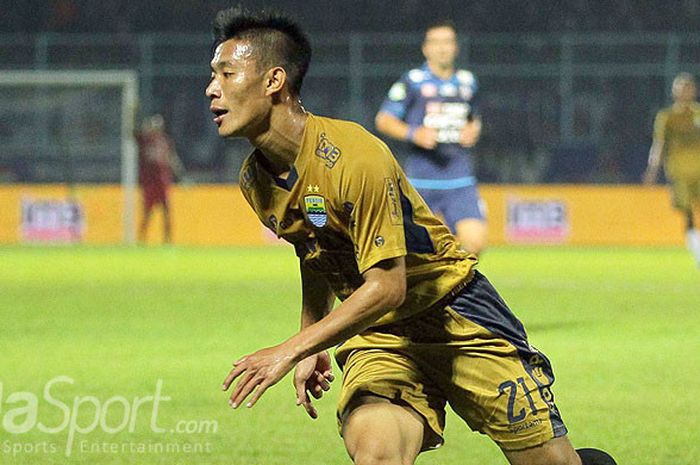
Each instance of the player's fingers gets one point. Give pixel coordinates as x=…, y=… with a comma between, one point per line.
x=328, y=374
x=321, y=381
x=309, y=407
x=311, y=410
x=300, y=388
x=257, y=394
x=233, y=374
x=244, y=387
x=316, y=391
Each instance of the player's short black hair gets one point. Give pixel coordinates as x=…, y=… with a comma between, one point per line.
x=441, y=23
x=277, y=40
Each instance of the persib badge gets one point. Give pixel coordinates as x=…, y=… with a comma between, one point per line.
x=316, y=210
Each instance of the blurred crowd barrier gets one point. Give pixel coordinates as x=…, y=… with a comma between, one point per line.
x=557, y=108
x=217, y=215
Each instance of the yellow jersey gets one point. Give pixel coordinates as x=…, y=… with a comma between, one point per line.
x=346, y=205
x=679, y=128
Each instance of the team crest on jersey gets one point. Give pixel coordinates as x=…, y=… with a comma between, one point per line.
x=315, y=206
x=327, y=151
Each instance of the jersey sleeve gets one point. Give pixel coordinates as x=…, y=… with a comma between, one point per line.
x=660, y=125
x=376, y=220
x=398, y=98
x=474, y=103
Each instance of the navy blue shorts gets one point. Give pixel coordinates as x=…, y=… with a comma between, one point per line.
x=455, y=205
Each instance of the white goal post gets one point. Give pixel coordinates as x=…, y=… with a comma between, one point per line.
x=79, y=92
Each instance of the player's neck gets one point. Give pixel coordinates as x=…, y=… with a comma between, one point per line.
x=442, y=71
x=683, y=104
x=281, y=141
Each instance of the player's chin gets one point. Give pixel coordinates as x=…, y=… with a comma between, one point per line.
x=225, y=131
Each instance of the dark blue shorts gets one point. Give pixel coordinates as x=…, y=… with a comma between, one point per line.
x=473, y=354
x=455, y=205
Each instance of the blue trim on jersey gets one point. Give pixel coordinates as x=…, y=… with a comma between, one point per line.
x=417, y=237
x=480, y=303
x=287, y=184
x=443, y=184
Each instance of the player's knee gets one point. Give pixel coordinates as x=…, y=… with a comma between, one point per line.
x=368, y=448
x=377, y=456
x=371, y=449
x=373, y=437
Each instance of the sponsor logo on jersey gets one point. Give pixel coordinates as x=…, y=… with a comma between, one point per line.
x=327, y=151
x=428, y=90
x=393, y=203
x=448, y=90
x=379, y=241
x=448, y=118
x=315, y=206
x=397, y=92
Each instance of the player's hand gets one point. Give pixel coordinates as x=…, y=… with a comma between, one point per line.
x=313, y=375
x=425, y=137
x=470, y=133
x=258, y=372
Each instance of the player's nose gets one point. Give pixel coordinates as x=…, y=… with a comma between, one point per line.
x=213, y=90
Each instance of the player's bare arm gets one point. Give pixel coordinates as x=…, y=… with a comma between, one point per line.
x=314, y=374
x=384, y=289
x=471, y=133
x=392, y=126
x=655, y=154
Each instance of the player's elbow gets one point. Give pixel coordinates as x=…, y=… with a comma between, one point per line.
x=393, y=294
x=386, y=283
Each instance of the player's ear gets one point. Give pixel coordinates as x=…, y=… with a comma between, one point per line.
x=275, y=79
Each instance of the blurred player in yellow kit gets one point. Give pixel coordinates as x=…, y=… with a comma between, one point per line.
x=677, y=144
x=417, y=327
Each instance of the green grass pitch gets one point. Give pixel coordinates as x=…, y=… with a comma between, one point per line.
x=101, y=328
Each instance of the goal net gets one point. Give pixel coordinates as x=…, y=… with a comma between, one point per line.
x=71, y=128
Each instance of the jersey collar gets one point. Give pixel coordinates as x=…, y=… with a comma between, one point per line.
x=426, y=69
x=299, y=164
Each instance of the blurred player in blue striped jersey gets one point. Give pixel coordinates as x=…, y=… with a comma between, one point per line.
x=433, y=108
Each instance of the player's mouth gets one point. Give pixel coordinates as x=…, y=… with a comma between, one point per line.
x=219, y=114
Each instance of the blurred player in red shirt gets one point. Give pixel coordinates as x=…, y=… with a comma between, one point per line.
x=158, y=165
